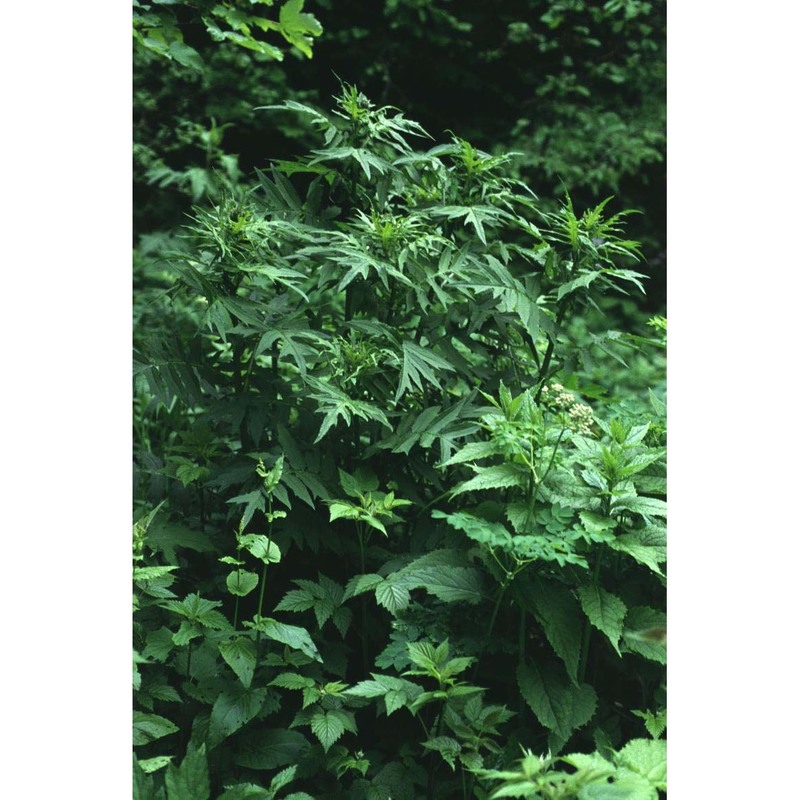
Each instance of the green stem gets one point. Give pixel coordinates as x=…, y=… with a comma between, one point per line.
x=364, y=646
x=549, y=352
x=587, y=629
x=264, y=570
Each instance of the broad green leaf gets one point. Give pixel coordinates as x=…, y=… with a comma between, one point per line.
x=502, y=476
x=241, y=582
x=626, y=786
x=391, y=596
x=290, y=680
x=268, y=750
x=558, y=706
x=648, y=546
x=639, y=621
x=240, y=654
x=648, y=506
x=291, y=635
x=360, y=584
x=558, y=613
x=156, y=763
x=149, y=727
x=190, y=780
x=446, y=746
x=604, y=610
x=647, y=757
x=327, y=727
x=261, y=547
x=233, y=709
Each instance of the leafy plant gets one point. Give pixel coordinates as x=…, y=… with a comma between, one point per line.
x=393, y=488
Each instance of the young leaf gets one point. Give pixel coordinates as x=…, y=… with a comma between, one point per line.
x=327, y=727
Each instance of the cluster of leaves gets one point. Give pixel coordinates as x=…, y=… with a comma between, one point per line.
x=352, y=416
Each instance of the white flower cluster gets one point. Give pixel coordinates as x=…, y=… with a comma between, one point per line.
x=579, y=416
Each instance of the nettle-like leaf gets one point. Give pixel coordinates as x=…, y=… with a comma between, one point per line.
x=396, y=692
x=150, y=727
x=558, y=705
x=291, y=635
x=645, y=633
x=190, y=781
x=605, y=611
x=559, y=615
x=240, y=655
x=233, y=709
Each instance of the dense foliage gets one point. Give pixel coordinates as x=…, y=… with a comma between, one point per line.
x=399, y=459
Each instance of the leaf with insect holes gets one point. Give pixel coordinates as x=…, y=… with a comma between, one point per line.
x=240, y=655
x=232, y=710
x=149, y=727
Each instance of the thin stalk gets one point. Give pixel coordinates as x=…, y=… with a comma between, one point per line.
x=549, y=352
x=587, y=629
x=364, y=646
x=521, y=655
x=503, y=587
x=264, y=570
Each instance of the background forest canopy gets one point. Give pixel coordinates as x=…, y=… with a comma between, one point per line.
x=399, y=399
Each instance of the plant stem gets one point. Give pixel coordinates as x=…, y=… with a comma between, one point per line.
x=549, y=352
x=587, y=629
x=364, y=647
x=264, y=571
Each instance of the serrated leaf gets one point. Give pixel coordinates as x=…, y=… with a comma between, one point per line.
x=647, y=546
x=642, y=618
x=190, y=780
x=418, y=368
x=150, y=727
x=291, y=635
x=241, y=582
x=240, y=655
x=232, y=710
x=392, y=597
x=559, y=706
x=558, y=613
x=501, y=476
x=296, y=600
x=648, y=758
x=290, y=680
x=446, y=746
x=604, y=610
x=327, y=727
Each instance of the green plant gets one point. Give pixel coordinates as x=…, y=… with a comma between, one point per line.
x=382, y=389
